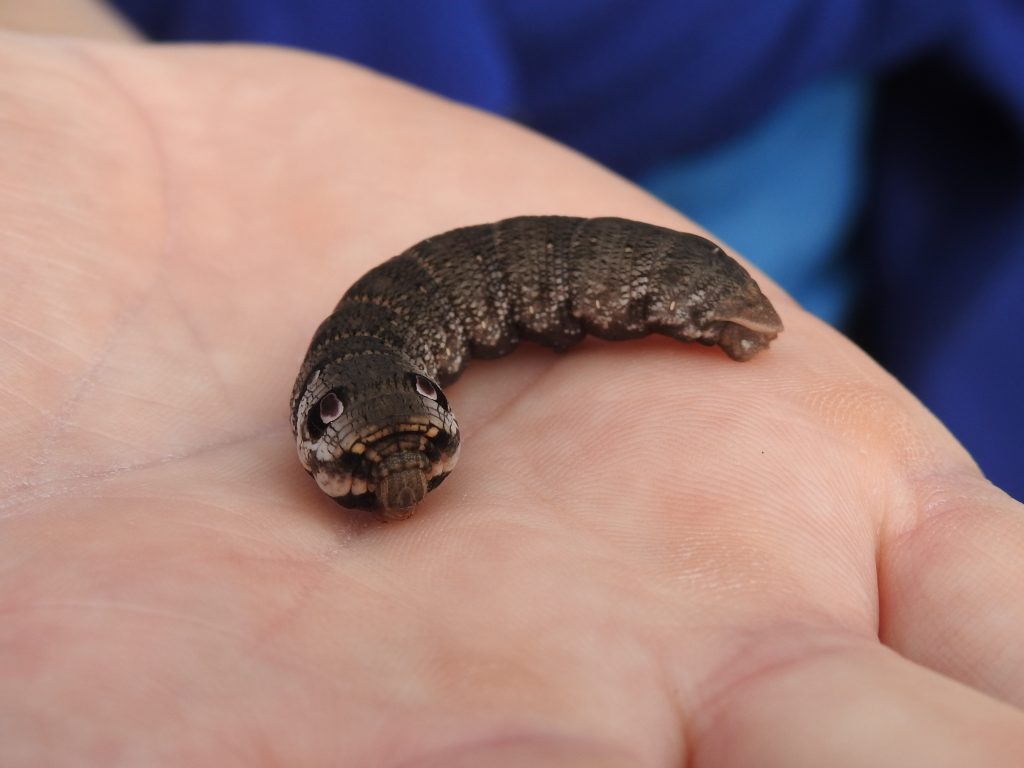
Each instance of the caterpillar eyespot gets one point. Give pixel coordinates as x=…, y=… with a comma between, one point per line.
x=476, y=292
x=425, y=387
x=330, y=408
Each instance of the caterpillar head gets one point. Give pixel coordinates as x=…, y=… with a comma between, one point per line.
x=374, y=434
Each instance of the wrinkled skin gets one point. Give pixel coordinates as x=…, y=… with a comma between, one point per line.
x=650, y=555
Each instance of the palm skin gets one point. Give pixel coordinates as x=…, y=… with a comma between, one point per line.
x=649, y=555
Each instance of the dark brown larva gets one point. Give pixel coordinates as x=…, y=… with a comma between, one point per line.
x=371, y=423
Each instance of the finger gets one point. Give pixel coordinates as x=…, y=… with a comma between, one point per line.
x=950, y=586
x=949, y=545
x=82, y=18
x=859, y=705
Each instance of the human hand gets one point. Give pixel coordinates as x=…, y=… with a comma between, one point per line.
x=649, y=555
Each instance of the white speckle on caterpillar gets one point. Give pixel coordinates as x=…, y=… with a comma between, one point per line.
x=333, y=485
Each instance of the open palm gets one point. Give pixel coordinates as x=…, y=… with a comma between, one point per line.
x=649, y=555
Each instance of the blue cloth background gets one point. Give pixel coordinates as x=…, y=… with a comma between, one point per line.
x=868, y=155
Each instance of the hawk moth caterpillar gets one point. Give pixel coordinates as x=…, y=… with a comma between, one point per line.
x=371, y=422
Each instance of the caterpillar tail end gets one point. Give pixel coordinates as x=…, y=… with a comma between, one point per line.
x=750, y=329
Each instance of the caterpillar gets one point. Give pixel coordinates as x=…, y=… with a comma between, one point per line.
x=371, y=421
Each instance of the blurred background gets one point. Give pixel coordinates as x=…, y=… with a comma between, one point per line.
x=868, y=155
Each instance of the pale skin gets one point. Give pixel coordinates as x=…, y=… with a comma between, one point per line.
x=648, y=556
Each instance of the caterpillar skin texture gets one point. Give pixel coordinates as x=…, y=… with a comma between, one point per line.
x=371, y=422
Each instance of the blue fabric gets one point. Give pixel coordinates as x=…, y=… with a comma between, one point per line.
x=786, y=194
x=888, y=131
